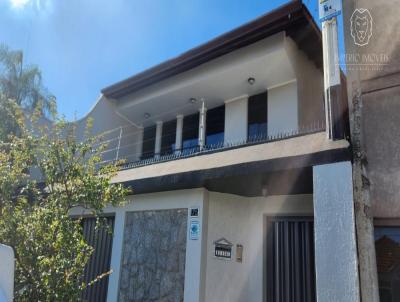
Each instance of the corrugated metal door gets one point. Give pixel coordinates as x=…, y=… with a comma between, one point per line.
x=290, y=260
x=99, y=263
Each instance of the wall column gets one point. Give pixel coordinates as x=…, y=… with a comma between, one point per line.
x=157, y=147
x=178, y=138
x=116, y=253
x=336, y=263
x=236, y=119
x=283, y=109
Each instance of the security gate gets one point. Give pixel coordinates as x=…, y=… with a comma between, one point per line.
x=290, y=260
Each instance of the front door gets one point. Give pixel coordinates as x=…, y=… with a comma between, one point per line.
x=290, y=260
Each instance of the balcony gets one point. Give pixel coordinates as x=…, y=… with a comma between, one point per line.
x=120, y=149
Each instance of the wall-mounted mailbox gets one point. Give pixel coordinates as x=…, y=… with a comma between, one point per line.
x=239, y=252
x=223, y=249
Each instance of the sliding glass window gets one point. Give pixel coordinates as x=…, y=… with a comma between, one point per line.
x=257, y=116
x=168, y=137
x=215, y=124
x=149, y=140
x=190, y=132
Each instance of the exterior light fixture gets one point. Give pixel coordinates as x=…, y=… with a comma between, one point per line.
x=146, y=115
x=251, y=80
x=192, y=100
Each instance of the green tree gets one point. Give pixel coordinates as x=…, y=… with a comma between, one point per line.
x=43, y=175
x=22, y=85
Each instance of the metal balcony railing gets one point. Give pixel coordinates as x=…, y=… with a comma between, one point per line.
x=132, y=162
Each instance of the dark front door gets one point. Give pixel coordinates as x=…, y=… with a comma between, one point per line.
x=290, y=260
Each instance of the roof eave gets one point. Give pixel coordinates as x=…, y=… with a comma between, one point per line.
x=273, y=22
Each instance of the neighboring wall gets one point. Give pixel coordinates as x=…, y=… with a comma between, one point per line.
x=241, y=220
x=380, y=87
x=106, y=120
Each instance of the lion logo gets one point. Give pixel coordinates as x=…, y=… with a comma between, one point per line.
x=361, y=26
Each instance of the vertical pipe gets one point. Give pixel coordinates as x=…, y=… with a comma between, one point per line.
x=202, y=126
x=119, y=143
x=178, y=138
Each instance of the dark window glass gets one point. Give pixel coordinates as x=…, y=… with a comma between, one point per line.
x=190, y=132
x=215, y=124
x=257, y=116
x=149, y=140
x=168, y=137
x=387, y=245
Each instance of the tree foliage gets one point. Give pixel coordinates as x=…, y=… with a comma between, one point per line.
x=44, y=173
x=22, y=85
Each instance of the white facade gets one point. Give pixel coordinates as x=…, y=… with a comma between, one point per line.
x=244, y=182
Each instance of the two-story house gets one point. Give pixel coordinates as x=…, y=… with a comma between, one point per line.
x=238, y=194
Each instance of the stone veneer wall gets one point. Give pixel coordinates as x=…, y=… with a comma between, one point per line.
x=153, y=256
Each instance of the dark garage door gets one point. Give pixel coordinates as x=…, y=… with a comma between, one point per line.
x=99, y=263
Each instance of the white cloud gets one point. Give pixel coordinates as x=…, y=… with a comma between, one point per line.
x=36, y=5
x=19, y=3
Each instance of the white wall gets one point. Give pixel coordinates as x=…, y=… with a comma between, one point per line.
x=6, y=273
x=236, y=119
x=336, y=263
x=282, y=108
x=241, y=221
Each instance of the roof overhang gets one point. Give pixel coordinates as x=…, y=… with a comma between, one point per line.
x=292, y=18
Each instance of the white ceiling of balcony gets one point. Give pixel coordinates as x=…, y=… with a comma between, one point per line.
x=215, y=82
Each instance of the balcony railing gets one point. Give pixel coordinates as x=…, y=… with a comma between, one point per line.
x=130, y=159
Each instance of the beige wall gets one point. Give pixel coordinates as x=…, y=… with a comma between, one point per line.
x=241, y=221
x=283, y=109
x=235, y=129
x=310, y=85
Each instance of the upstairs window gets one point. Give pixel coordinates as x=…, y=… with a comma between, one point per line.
x=190, y=132
x=215, y=124
x=168, y=137
x=257, y=116
x=149, y=141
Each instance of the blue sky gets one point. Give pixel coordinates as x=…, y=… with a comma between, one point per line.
x=82, y=46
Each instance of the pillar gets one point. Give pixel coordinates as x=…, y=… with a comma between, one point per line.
x=236, y=119
x=157, y=147
x=336, y=263
x=333, y=108
x=178, y=138
x=116, y=253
